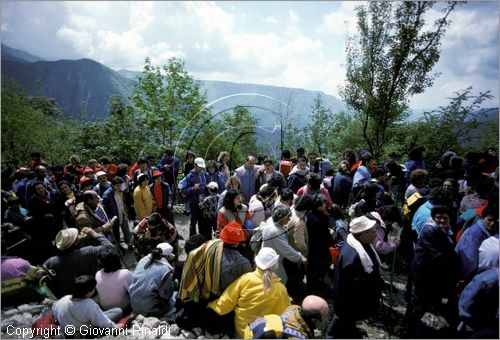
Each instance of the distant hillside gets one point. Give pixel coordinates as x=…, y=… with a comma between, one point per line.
x=273, y=99
x=76, y=85
x=9, y=53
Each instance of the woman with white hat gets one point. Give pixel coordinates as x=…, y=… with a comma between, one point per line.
x=152, y=288
x=254, y=294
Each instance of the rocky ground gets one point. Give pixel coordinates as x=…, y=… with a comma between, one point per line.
x=387, y=324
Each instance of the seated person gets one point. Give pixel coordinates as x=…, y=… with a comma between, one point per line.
x=79, y=309
x=73, y=261
x=152, y=288
x=113, y=282
x=296, y=322
x=152, y=231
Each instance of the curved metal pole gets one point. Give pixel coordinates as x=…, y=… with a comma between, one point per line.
x=218, y=113
x=234, y=144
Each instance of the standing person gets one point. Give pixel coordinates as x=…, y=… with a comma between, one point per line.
x=108, y=167
x=342, y=185
x=163, y=196
x=102, y=183
x=74, y=168
x=222, y=166
x=362, y=175
x=478, y=304
x=213, y=175
x=299, y=175
x=195, y=191
x=187, y=166
x=358, y=285
x=468, y=246
x=416, y=160
x=144, y=203
x=144, y=169
x=275, y=236
x=170, y=165
x=313, y=187
x=233, y=183
x=320, y=240
x=268, y=173
x=318, y=165
x=285, y=165
x=434, y=271
x=152, y=288
x=114, y=205
x=254, y=294
x=398, y=177
x=46, y=222
x=248, y=173
x=232, y=210
x=209, y=211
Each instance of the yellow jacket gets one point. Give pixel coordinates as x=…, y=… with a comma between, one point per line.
x=143, y=202
x=246, y=297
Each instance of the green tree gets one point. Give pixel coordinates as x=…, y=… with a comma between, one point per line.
x=318, y=130
x=123, y=131
x=388, y=61
x=454, y=126
x=34, y=124
x=169, y=103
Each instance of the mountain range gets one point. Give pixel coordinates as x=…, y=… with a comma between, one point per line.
x=85, y=85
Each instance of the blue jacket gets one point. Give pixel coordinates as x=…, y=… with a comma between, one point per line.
x=170, y=175
x=152, y=288
x=193, y=178
x=434, y=267
x=421, y=217
x=109, y=203
x=341, y=189
x=356, y=294
x=478, y=304
x=247, y=181
x=361, y=176
x=468, y=248
x=218, y=178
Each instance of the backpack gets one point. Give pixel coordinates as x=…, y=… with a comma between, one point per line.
x=412, y=204
x=285, y=167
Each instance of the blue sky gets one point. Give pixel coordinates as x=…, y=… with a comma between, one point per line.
x=285, y=43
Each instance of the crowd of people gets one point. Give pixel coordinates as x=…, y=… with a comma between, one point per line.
x=270, y=243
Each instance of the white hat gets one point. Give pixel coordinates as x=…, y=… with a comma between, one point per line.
x=361, y=224
x=166, y=249
x=266, y=258
x=200, y=162
x=213, y=186
x=66, y=237
x=100, y=173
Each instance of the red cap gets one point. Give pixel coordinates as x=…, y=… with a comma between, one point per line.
x=87, y=169
x=157, y=173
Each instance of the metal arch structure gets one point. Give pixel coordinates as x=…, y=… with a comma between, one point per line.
x=217, y=100
x=220, y=112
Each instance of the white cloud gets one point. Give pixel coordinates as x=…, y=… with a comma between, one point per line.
x=271, y=20
x=342, y=21
x=81, y=41
x=294, y=17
